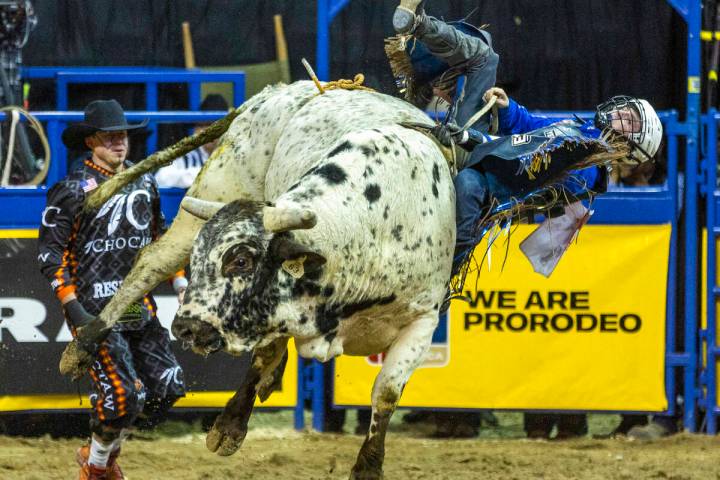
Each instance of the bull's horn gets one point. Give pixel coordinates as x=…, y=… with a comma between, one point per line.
x=282, y=219
x=202, y=209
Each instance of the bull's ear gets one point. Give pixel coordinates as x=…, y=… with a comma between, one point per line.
x=296, y=258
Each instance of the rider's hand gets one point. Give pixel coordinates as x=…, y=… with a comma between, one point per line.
x=446, y=133
x=502, y=99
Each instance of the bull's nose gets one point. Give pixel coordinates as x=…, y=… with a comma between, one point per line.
x=208, y=338
x=199, y=334
x=182, y=327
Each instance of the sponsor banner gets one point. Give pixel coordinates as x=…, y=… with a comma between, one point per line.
x=33, y=335
x=703, y=308
x=590, y=337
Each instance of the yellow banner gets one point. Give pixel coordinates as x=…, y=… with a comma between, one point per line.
x=703, y=304
x=286, y=397
x=590, y=337
x=24, y=233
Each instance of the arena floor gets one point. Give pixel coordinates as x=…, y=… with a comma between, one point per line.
x=278, y=452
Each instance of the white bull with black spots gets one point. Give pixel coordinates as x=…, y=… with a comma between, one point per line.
x=324, y=220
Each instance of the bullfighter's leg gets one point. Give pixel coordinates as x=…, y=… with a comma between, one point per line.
x=155, y=263
x=402, y=358
x=230, y=427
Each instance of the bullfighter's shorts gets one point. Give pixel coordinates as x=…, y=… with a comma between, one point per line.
x=130, y=367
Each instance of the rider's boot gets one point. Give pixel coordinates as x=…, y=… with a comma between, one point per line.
x=407, y=16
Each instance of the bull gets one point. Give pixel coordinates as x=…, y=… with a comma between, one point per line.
x=318, y=218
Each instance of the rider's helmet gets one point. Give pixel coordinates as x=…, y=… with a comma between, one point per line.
x=635, y=119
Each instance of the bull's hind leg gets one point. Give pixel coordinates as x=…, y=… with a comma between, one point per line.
x=402, y=358
x=155, y=263
x=230, y=427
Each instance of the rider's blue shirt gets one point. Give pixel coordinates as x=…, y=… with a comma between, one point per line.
x=516, y=119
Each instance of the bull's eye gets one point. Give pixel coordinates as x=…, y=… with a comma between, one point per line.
x=237, y=261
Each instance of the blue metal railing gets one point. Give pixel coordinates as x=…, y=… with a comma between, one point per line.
x=150, y=77
x=709, y=335
x=57, y=121
x=673, y=358
x=690, y=11
x=22, y=206
x=48, y=73
x=151, y=80
x=326, y=13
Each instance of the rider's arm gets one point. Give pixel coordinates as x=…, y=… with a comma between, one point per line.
x=516, y=119
x=56, y=235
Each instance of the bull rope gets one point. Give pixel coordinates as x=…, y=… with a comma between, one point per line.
x=342, y=84
x=490, y=104
x=346, y=84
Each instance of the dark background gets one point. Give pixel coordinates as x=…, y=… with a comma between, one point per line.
x=555, y=54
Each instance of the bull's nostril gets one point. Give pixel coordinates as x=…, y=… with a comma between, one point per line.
x=216, y=344
x=208, y=338
x=181, y=328
x=184, y=333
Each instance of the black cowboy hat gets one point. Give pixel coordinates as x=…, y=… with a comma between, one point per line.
x=100, y=116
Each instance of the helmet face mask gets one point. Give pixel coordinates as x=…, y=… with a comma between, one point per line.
x=636, y=120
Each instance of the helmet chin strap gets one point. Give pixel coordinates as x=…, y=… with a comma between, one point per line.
x=635, y=147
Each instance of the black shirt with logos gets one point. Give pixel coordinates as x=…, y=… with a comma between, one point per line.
x=94, y=251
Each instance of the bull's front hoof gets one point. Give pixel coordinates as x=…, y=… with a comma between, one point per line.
x=224, y=438
x=75, y=360
x=356, y=474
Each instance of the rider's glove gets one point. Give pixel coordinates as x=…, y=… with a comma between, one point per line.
x=77, y=313
x=447, y=134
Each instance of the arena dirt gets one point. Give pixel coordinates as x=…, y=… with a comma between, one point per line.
x=281, y=453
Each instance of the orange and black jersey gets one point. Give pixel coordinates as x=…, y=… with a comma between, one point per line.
x=89, y=254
